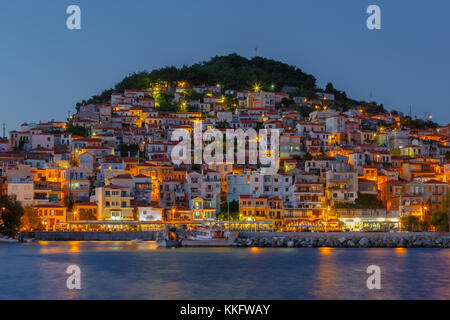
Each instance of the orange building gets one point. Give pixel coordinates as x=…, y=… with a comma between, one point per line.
x=52, y=215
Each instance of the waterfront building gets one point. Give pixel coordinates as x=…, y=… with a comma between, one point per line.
x=77, y=185
x=22, y=190
x=432, y=192
x=341, y=187
x=151, y=212
x=206, y=185
x=308, y=196
x=260, y=209
x=237, y=185
x=271, y=186
x=114, y=203
x=52, y=216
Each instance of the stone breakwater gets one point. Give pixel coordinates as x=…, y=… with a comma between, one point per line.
x=344, y=240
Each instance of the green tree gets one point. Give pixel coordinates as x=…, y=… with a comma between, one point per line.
x=368, y=201
x=418, y=123
x=410, y=223
x=259, y=125
x=30, y=221
x=11, y=212
x=440, y=221
x=77, y=130
x=288, y=103
x=234, y=211
x=424, y=225
x=190, y=94
x=164, y=99
x=87, y=215
x=135, y=214
x=305, y=111
x=330, y=88
x=447, y=156
x=68, y=202
x=364, y=201
x=231, y=103
x=307, y=156
x=126, y=150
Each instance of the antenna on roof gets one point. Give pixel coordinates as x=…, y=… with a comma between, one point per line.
x=4, y=130
x=410, y=117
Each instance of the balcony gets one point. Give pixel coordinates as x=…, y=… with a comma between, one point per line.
x=337, y=188
x=308, y=190
x=47, y=187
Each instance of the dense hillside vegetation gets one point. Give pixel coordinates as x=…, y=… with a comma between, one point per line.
x=230, y=72
x=239, y=73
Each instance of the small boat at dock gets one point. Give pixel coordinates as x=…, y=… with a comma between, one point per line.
x=208, y=234
x=206, y=237
x=8, y=240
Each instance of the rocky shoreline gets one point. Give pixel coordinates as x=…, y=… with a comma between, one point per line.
x=347, y=241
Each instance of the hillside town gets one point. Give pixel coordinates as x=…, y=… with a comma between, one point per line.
x=109, y=167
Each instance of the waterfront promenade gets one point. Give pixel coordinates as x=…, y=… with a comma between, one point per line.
x=278, y=239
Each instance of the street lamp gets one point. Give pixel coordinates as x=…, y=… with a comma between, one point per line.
x=326, y=221
x=425, y=209
x=2, y=213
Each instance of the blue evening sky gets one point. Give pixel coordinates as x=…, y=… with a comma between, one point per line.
x=46, y=68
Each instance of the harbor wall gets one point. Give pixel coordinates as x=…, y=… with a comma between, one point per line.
x=275, y=239
x=333, y=235
x=345, y=239
x=94, y=236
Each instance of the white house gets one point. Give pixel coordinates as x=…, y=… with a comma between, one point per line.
x=22, y=188
x=42, y=140
x=150, y=213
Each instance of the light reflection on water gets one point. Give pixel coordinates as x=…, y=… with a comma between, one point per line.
x=127, y=270
x=74, y=246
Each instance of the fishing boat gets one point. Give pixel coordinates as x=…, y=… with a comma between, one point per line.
x=21, y=239
x=7, y=240
x=209, y=234
x=206, y=237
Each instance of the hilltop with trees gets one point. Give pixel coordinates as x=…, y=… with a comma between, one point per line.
x=234, y=72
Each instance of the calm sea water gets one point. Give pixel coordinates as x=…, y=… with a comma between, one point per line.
x=123, y=270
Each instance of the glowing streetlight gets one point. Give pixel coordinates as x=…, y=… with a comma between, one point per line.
x=256, y=87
